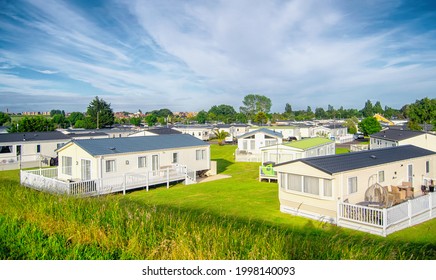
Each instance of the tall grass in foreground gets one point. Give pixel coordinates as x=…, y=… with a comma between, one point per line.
x=35, y=225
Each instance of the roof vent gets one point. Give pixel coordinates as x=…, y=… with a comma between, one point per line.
x=373, y=157
x=112, y=148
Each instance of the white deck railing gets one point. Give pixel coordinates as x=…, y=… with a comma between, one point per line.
x=387, y=220
x=45, y=180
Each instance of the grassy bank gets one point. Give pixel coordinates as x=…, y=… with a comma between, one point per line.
x=235, y=218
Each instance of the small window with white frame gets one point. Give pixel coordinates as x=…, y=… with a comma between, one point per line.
x=381, y=176
x=142, y=162
x=175, y=158
x=352, y=185
x=67, y=165
x=200, y=154
x=110, y=165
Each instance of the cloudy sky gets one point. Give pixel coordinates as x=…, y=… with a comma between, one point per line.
x=191, y=55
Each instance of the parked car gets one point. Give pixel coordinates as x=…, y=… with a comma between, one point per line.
x=359, y=135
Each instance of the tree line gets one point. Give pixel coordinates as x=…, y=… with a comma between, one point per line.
x=256, y=108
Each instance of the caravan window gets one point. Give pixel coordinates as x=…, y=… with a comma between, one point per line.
x=5, y=149
x=142, y=162
x=110, y=166
x=67, y=165
x=352, y=185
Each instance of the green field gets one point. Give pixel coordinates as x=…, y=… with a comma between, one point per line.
x=233, y=218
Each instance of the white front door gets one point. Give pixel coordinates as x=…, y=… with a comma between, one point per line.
x=410, y=173
x=85, y=170
x=155, y=164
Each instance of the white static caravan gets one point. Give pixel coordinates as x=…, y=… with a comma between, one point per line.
x=333, y=188
x=29, y=149
x=249, y=144
x=114, y=157
x=309, y=147
x=398, y=137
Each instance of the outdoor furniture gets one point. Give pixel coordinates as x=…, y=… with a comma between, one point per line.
x=399, y=194
x=409, y=192
x=424, y=189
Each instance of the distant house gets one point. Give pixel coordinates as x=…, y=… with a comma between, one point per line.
x=309, y=147
x=88, y=135
x=234, y=130
x=202, y=132
x=399, y=137
x=111, y=132
x=3, y=129
x=332, y=131
x=317, y=187
x=288, y=132
x=249, y=144
x=29, y=149
x=155, y=131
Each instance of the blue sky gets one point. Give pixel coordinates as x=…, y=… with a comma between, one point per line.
x=191, y=55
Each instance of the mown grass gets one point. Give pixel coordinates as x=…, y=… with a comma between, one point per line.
x=235, y=218
x=342, y=150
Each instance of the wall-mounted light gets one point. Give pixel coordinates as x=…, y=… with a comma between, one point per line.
x=127, y=162
x=77, y=163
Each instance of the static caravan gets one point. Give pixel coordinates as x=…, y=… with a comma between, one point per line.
x=115, y=157
x=312, y=187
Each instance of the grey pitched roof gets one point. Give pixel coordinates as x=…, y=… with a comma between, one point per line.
x=231, y=125
x=262, y=130
x=108, y=146
x=333, y=126
x=33, y=136
x=345, y=162
x=396, y=134
x=164, y=130
x=88, y=134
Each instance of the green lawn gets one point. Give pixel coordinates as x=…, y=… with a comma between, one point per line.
x=241, y=196
x=342, y=151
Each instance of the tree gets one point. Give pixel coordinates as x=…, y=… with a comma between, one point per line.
x=4, y=118
x=223, y=113
x=254, y=103
x=75, y=116
x=423, y=111
x=202, y=117
x=60, y=120
x=369, y=126
x=413, y=125
x=56, y=112
x=261, y=118
x=377, y=109
x=220, y=135
x=320, y=113
x=32, y=124
x=288, y=109
x=136, y=121
x=368, y=110
x=151, y=119
x=163, y=113
x=100, y=112
x=351, y=125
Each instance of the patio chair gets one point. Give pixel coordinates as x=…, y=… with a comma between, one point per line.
x=398, y=195
x=424, y=189
x=409, y=193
